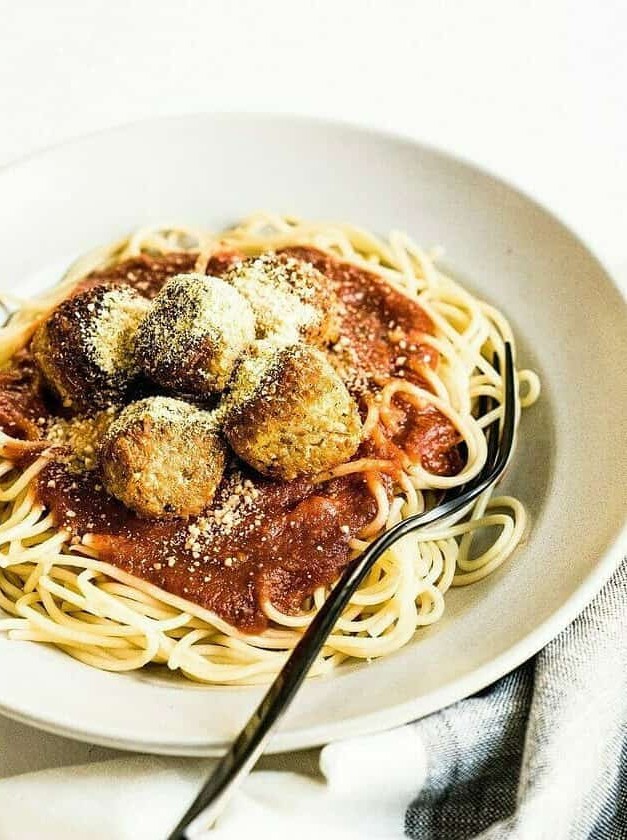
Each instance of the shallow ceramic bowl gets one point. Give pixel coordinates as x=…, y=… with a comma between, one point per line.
x=571, y=464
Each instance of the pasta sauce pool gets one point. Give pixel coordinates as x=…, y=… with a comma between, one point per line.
x=260, y=540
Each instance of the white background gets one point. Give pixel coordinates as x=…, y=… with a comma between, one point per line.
x=534, y=91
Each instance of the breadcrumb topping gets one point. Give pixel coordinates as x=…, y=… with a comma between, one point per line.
x=111, y=333
x=345, y=360
x=281, y=292
x=237, y=500
x=290, y=414
x=80, y=436
x=163, y=458
x=85, y=348
x=197, y=328
x=163, y=413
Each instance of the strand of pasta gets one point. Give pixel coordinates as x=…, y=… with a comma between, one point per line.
x=106, y=618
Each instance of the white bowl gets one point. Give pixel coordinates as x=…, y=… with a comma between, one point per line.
x=570, y=468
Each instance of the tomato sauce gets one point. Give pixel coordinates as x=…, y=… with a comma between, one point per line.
x=293, y=536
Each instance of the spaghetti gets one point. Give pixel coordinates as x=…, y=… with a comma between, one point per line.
x=60, y=589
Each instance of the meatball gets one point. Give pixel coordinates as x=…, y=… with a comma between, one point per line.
x=195, y=331
x=290, y=298
x=85, y=348
x=289, y=413
x=163, y=458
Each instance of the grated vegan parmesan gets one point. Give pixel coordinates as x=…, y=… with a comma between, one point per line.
x=237, y=500
x=163, y=414
x=85, y=348
x=163, y=457
x=282, y=294
x=111, y=332
x=80, y=437
x=197, y=328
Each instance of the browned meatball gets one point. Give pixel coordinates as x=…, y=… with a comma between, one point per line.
x=195, y=331
x=289, y=413
x=290, y=298
x=85, y=348
x=163, y=458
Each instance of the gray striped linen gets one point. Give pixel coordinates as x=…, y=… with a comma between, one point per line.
x=542, y=753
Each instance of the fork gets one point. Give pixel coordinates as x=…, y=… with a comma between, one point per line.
x=239, y=760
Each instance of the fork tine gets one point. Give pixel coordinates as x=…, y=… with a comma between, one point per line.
x=508, y=424
x=486, y=404
x=492, y=433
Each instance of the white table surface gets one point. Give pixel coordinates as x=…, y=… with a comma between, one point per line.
x=534, y=91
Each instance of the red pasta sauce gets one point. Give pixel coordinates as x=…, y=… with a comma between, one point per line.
x=283, y=539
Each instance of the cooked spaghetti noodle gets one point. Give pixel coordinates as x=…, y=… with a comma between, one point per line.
x=58, y=590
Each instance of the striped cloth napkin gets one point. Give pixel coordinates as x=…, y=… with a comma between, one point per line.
x=541, y=754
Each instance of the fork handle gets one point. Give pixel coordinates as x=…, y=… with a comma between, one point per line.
x=251, y=741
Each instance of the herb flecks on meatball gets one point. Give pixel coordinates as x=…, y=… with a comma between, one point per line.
x=195, y=331
x=288, y=413
x=290, y=298
x=163, y=458
x=86, y=347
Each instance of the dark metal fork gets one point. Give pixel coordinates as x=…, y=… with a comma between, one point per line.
x=249, y=745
